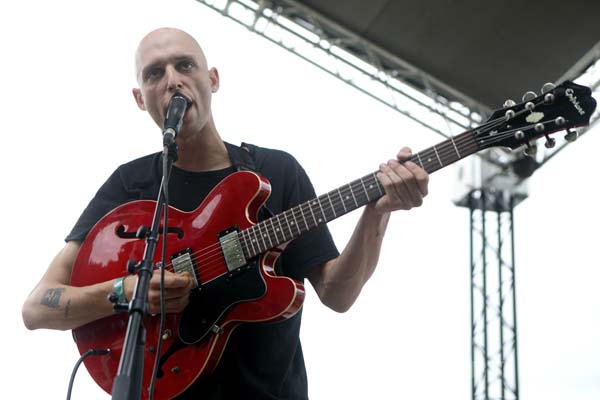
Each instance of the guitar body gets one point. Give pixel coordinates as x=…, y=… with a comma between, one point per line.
x=195, y=339
x=238, y=286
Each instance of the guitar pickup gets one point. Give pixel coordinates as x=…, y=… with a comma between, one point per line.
x=232, y=250
x=183, y=262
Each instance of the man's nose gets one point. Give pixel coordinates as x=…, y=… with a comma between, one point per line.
x=174, y=82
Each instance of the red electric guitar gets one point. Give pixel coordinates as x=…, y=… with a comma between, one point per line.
x=231, y=256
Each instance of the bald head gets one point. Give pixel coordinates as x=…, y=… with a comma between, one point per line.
x=170, y=61
x=162, y=38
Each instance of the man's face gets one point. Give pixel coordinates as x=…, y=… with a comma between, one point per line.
x=169, y=61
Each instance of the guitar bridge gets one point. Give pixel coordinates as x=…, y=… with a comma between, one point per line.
x=183, y=262
x=232, y=250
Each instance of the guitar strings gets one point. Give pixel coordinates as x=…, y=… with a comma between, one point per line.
x=212, y=260
x=208, y=260
x=215, y=249
x=295, y=212
x=458, y=143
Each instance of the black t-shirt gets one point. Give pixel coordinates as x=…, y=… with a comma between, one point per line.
x=261, y=360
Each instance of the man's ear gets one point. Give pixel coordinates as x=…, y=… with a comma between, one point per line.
x=137, y=94
x=213, y=75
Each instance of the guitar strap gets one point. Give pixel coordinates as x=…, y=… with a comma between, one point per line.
x=241, y=157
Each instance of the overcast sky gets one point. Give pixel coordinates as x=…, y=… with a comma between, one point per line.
x=70, y=119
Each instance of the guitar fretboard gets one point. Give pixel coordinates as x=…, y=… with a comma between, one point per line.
x=292, y=223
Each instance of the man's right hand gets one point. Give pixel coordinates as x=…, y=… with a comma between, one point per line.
x=177, y=291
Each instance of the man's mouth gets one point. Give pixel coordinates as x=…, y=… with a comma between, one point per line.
x=187, y=99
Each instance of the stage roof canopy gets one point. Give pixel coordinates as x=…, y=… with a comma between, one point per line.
x=485, y=51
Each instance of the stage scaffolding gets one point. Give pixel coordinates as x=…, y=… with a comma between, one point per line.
x=500, y=177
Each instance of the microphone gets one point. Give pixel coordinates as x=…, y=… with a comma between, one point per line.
x=174, y=118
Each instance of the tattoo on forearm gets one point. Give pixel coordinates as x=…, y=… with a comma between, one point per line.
x=52, y=297
x=67, y=309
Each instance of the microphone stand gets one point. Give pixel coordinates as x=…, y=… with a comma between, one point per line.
x=128, y=382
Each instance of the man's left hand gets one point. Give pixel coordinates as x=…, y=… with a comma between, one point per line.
x=405, y=183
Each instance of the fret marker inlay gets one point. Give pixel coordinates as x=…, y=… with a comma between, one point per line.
x=302, y=218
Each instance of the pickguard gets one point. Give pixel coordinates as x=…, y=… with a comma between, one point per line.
x=209, y=303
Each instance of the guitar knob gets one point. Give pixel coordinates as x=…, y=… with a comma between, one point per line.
x=216, y=329
x=548, y=86
x=529, y=96
x=509, y=103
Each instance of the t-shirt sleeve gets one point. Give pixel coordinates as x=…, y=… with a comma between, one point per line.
x=135, y=180
x=111, y=194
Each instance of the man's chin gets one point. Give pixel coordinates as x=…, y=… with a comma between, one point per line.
x=187, y=134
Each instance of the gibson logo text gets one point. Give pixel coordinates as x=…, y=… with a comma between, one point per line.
x=574, y=101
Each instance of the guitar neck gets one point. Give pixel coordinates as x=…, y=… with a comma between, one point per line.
x=294, y=222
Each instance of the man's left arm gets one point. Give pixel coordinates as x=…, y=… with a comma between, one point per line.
x=338, y=282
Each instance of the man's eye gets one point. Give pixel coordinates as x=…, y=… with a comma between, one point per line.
x=186, y=65
x=153, y=74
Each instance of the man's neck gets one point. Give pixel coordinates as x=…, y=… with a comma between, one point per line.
x=205, y=151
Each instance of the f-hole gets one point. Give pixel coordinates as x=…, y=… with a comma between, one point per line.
x=123, y=233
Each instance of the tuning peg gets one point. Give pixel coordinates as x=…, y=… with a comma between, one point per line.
x=510, y=114
x=559, y=121
x=530, y=150
x=547, y=87
x=529, y=106
x=509, y=103
x=539, y=127
x=571, y=135
x=529, y=96
x=549, y=97
x=550, y=142
x=519, y=135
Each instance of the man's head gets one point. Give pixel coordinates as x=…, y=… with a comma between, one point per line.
x=170, y=61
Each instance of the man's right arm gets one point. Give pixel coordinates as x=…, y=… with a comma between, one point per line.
x=54, y=304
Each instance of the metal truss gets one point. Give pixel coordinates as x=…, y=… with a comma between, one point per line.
x=377, y=73
x=434, y=105
x=499, y=185
x=355, y=61
x=494, y=361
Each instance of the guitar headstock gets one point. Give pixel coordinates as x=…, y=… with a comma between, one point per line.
x=563, y=107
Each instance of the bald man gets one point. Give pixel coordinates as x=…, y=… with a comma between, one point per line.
x=261, y=361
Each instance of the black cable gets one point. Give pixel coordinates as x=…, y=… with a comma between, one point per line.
x=92, y=352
